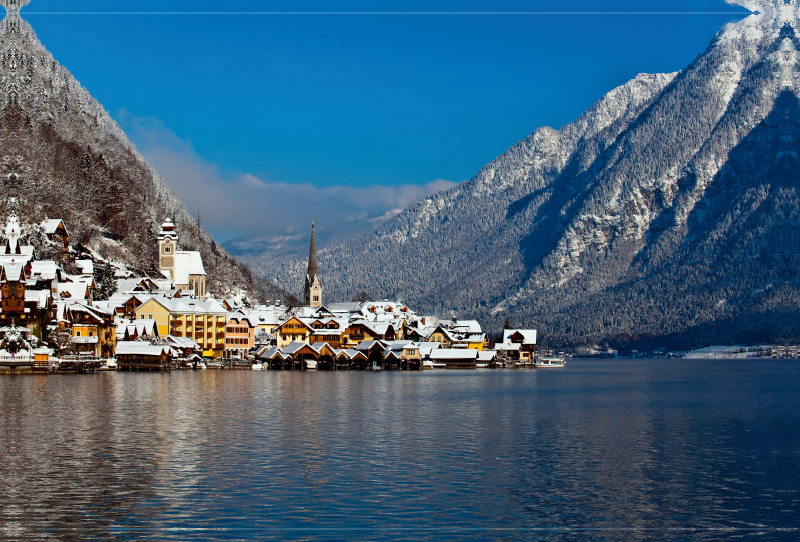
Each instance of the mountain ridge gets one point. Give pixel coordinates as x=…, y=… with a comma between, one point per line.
x=593, y=239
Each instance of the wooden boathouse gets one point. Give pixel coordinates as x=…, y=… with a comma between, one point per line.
x=142, y=356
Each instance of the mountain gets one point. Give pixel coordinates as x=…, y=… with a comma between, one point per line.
x=64, y=154
x=666, y=215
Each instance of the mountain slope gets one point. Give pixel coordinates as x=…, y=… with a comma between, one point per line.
x=72, y=161
x=658, y=216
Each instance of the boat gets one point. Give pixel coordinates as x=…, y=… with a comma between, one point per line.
x=311, y=365
x=548, y=362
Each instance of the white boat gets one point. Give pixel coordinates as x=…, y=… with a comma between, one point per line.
x=548, y=362
x=257, y=367
x=311, y=365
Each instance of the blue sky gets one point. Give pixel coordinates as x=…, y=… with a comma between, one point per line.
x=298, y=113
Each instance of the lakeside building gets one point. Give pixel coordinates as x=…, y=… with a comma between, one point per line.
x=518, y=344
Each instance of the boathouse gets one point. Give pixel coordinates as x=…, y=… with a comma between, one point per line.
x=455, y=358
x=142, y=356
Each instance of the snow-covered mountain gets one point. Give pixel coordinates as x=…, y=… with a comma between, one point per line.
x=72, y=161
x=668, y=213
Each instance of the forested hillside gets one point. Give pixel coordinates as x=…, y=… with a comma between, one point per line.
x=74, y=162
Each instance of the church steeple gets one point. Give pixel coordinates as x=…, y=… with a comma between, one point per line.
x=312, y=292
x=313, y=266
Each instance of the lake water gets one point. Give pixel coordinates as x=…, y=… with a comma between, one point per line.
x=601, y=450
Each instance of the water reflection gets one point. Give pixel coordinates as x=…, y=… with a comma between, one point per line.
x=625, y=449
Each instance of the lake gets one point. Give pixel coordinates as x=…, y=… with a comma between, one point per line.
x=601, y=450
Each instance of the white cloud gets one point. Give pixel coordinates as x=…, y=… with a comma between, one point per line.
x=233, y=204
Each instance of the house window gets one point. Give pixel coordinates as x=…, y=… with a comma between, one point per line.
x=167, y=250
x=77, y=333
x=91, y=334
x=316, y=298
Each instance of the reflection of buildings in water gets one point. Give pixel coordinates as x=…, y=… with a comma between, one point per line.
x=62, y=461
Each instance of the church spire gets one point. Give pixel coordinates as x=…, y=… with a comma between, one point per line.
x=313, y=267
x=312, y=293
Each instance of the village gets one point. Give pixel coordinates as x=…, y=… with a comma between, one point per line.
x=52, y=321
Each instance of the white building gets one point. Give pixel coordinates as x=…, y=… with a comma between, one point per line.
x=184, y=268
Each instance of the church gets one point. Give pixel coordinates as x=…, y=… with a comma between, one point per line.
x=312, y=292
x=184, y=268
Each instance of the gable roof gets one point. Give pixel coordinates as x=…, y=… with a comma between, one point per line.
x=51, y=225
x=529, y=336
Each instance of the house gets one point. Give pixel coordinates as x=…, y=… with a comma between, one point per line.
x=55, y=230
x=293, y=330
x=442, y=335
x=93, y=330
x=239, y=336
x=525, y=338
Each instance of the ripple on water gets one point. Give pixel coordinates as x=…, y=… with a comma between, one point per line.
x=616, y=447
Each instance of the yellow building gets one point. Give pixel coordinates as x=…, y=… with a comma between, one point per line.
x=293, y=329
x=201, y=321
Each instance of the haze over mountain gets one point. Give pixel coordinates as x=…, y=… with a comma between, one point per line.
x=68, y=159
x=666, y=214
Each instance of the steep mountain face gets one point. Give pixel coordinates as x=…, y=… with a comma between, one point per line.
x=68, y=159
x=667, y=214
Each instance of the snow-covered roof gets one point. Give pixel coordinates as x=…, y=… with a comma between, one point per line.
x=272, y=353
x=39, y=297
x=292, y=348
x=13, y=271
x=44, y=269
x=140, y=348
x=488, y=355
x=187, y=263
x=73, y=290
x=182, y=342
x=86, y=266
x=349, y=353
x=467, y=326
x=529, y=335
x=50, y=225
x=454, y=353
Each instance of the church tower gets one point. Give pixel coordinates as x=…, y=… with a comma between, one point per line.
x=312, y=293
x=167, y=247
